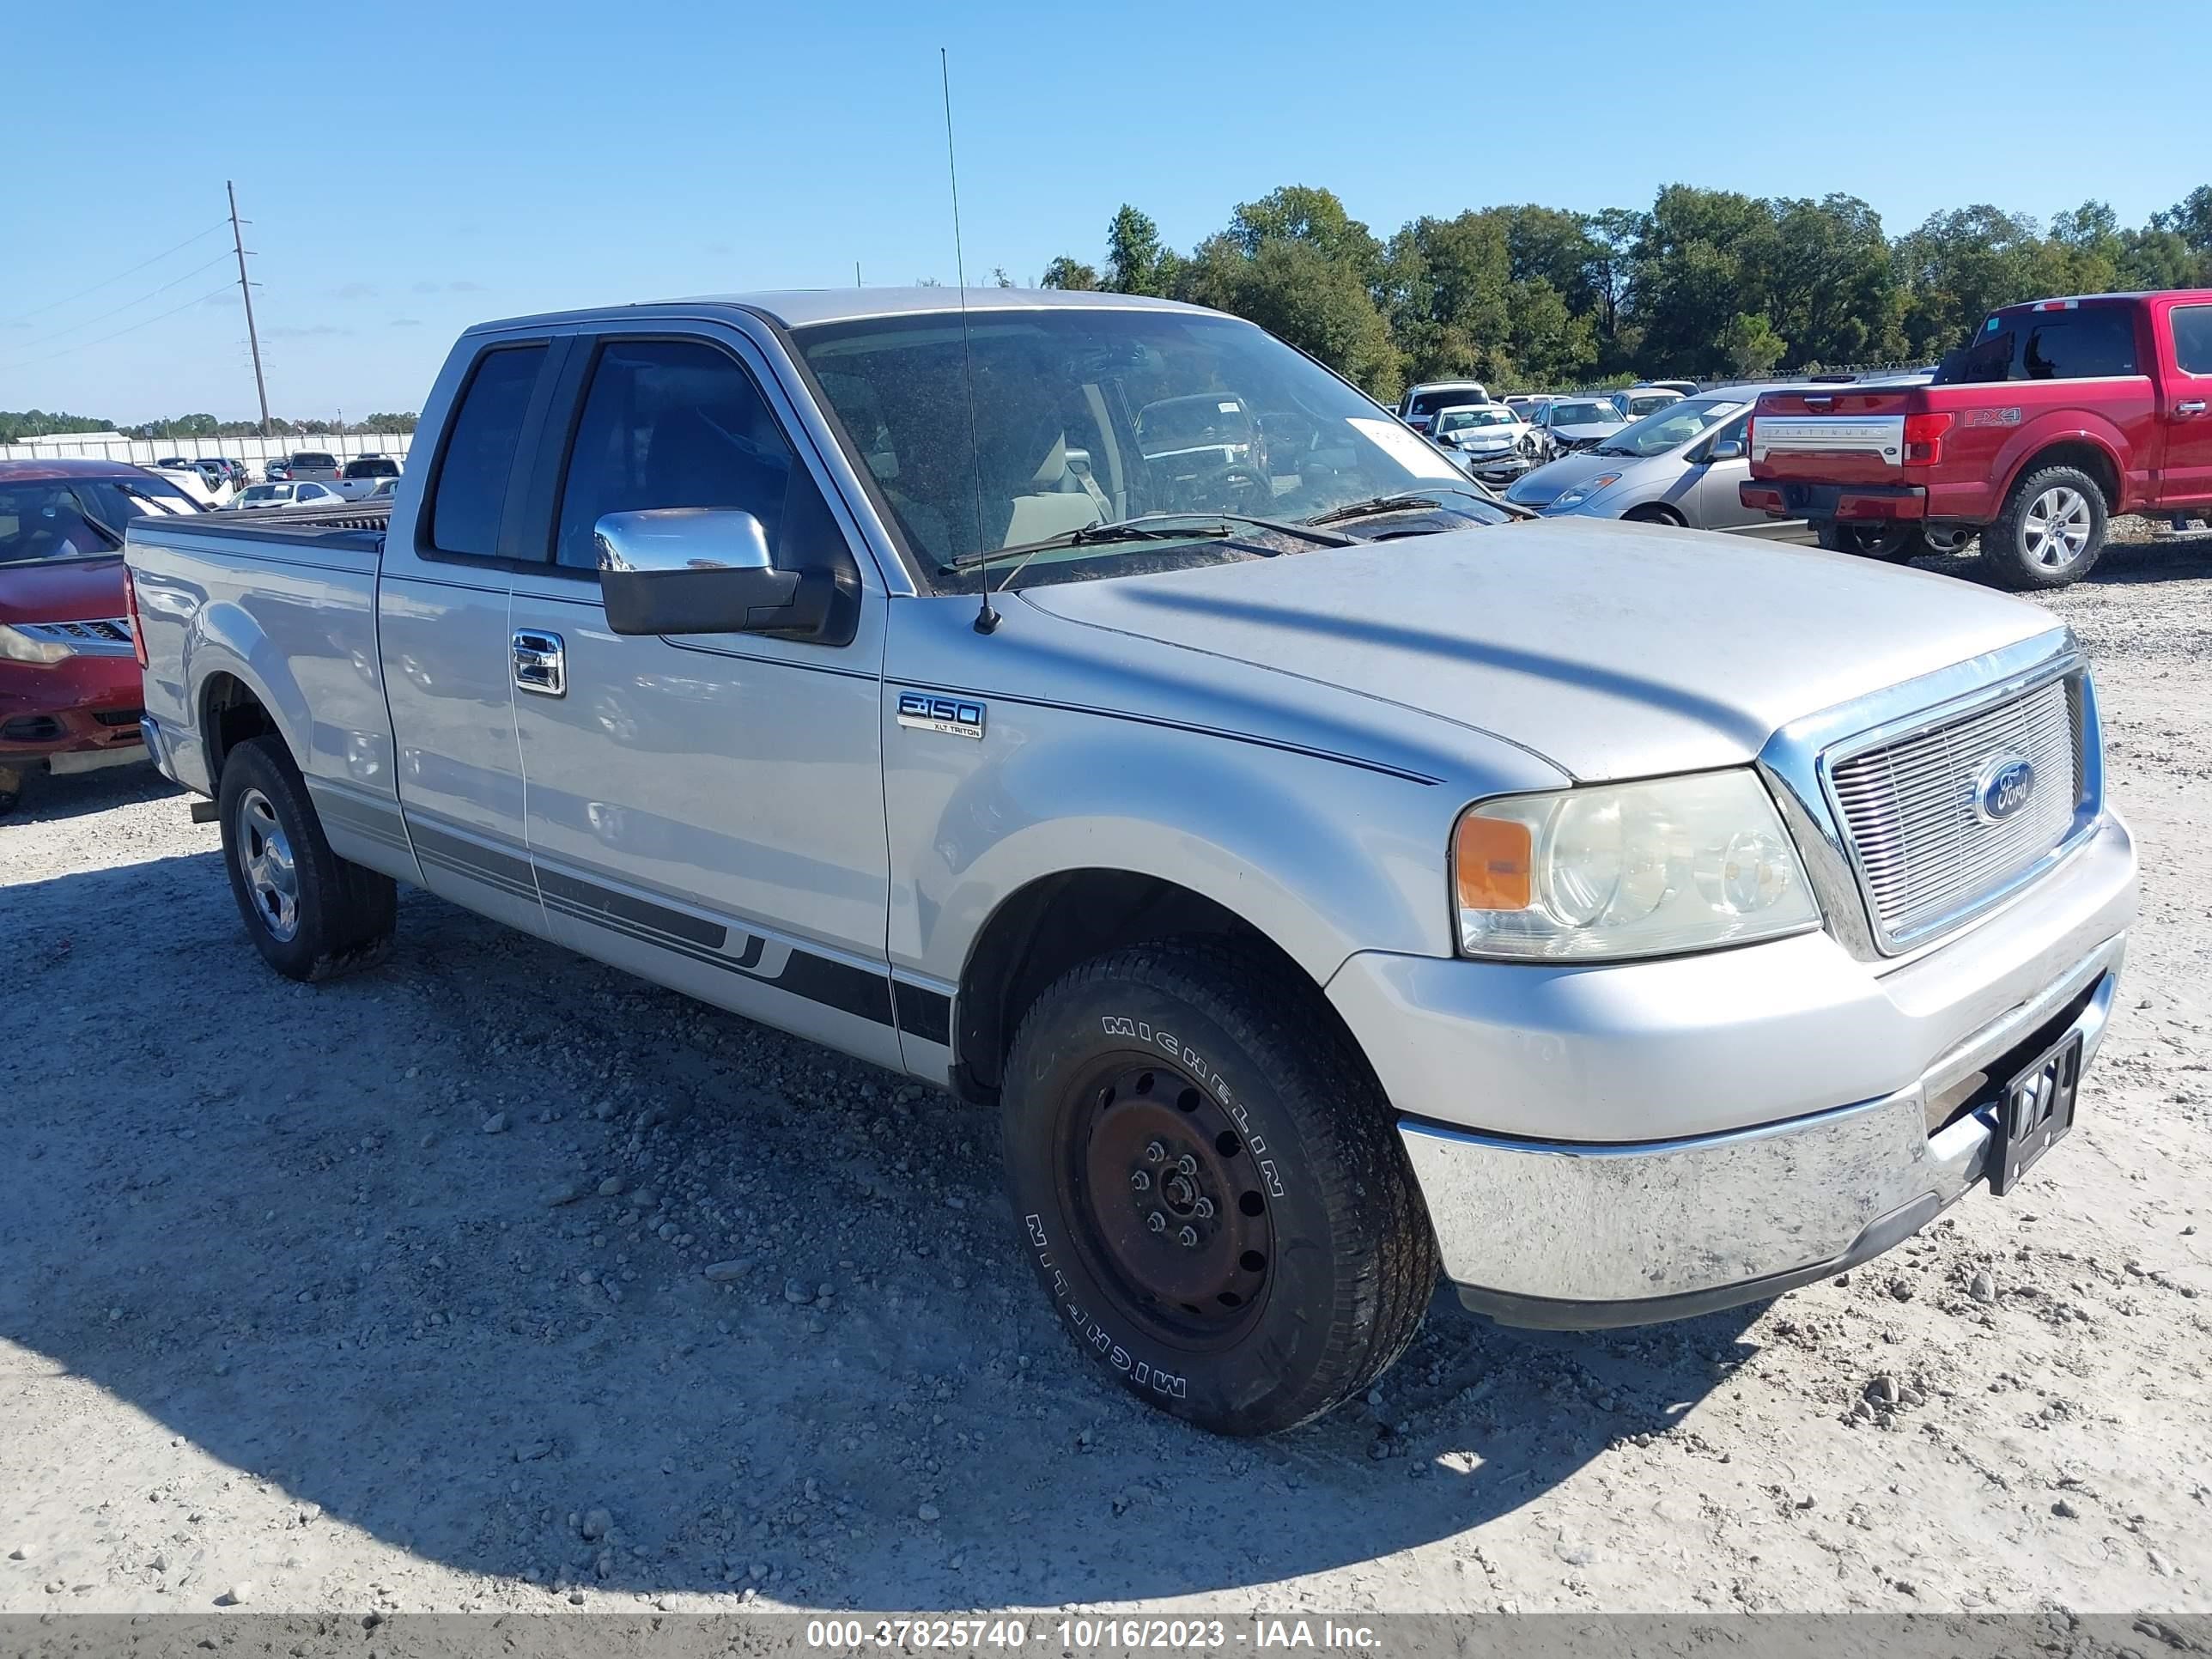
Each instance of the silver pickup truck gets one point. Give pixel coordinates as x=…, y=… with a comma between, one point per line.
x=1327, y=873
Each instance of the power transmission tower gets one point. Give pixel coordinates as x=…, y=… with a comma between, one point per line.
x=246, y=292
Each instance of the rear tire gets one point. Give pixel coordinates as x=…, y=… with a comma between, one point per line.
x=310, y=914
x=1211, y=1187
x=2050, y=531
x=1892, y=541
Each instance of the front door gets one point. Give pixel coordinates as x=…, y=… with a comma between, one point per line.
x=1720, y=504
x=707, y=811
x=2187, y=474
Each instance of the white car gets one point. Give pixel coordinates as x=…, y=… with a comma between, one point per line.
x=256, y=497
x=1495, y=443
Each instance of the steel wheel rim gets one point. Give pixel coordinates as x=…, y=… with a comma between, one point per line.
x=2057, y=528
x=265, y=859
x=1170, y=1212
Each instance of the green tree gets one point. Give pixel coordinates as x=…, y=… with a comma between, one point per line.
x=1136, y=262
x=1751, y=345
x=1072, y=273
x=16, y=426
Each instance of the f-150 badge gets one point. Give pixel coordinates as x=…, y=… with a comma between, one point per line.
x=956, y=717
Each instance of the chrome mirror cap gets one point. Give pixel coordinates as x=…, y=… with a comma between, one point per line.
x=682, y=538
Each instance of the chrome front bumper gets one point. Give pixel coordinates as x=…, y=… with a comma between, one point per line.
x=1579, y=1236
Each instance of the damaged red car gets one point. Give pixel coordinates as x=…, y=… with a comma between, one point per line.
x=68, y=669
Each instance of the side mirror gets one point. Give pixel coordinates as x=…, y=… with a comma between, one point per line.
x=701, y=570
x=1728, y=449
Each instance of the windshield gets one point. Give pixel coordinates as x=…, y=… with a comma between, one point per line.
x=1680, y=423
x=1644, y=403
x=1084, y=416
x=314, y=458
x=78, y=517
x=1584, y=415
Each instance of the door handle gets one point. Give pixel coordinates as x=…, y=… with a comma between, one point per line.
x=541, y=663
x=2194, y=406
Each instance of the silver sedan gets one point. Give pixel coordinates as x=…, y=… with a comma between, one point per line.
x=1679, y=466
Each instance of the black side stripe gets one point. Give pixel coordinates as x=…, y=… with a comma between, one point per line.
x=923, y=1013
x=839, y=985
x=590, y=897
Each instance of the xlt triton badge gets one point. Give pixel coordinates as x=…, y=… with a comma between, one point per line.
x=956, y=717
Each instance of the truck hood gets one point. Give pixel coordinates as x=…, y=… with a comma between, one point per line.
x=1612, y=650
x=61, y=590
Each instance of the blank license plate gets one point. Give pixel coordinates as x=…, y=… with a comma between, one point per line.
x=2035, y=1113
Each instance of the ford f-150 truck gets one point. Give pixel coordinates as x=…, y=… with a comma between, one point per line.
x=2056, y=415
x=1324, y=872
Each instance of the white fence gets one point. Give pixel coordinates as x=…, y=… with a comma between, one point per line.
x=255, y=451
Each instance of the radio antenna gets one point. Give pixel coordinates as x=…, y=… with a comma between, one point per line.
x=986, y=618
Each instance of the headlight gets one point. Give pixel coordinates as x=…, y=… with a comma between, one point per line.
x=1627, y=870
x=22, y=647
x=1582, y=492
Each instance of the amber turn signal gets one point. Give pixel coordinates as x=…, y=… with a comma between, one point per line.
x=1491, y=859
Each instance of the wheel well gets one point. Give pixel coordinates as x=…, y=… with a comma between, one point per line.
x=1052, y=924
x=1652, y=513
x=229, y=715
x=2085, y=457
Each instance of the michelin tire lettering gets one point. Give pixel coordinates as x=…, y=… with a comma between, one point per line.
x=1120, y=1026
x=1158, y=1379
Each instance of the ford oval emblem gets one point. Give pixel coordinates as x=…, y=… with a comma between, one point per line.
x=2006, y=786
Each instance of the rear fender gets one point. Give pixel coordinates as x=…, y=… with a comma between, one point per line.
x=2078, y=427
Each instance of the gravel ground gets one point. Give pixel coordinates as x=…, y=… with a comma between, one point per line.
x=486, y=1282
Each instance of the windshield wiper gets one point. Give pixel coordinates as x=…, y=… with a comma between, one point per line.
x=1415, y=501
x=1612, y=449
x=1148, y=528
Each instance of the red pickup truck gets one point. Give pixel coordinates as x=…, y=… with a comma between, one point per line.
x=2056, y=415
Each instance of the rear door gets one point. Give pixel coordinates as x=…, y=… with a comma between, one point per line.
x=707, y=811
x=444, y=641
x=2186, y=354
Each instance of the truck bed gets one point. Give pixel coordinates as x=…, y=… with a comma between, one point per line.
x=359, y=528
x=284, y=601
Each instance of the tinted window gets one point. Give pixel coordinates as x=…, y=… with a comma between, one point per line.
x=1428, y=403
x=2074, y=345
x=314, y=458
x=487, y=428
x=674, y=423
x=1987, y=357
x=2192, y=338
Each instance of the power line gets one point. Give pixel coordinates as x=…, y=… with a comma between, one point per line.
x=83, y=345
x=101, y=317
x=107, y=281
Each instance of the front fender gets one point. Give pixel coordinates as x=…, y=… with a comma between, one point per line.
x=1322, y=856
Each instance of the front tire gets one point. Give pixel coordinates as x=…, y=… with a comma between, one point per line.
x=1892, y=541
x=2050, y=531
x=1211, y=1188
x=310, y=914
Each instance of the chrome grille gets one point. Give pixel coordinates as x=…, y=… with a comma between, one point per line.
x=1925, y=854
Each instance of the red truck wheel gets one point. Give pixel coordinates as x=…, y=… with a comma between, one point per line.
x=2050, y=531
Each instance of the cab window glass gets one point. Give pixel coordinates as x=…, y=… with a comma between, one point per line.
x=678, y=424
x=2192, y=338
x=486, y=431
x=2076, y=345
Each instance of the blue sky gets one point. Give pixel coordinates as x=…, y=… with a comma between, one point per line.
x=410, y=168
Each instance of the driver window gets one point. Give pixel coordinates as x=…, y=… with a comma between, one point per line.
x=679, y=424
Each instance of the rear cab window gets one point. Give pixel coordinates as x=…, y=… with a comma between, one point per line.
x=2080, y=343
x=470, y=495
